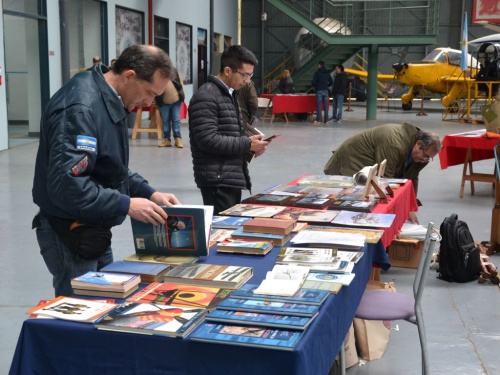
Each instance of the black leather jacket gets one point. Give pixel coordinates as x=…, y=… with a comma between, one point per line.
x=81, y=170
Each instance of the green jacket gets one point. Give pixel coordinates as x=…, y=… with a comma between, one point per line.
x=393, y=142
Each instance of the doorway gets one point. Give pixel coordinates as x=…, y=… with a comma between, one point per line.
x=202, y=56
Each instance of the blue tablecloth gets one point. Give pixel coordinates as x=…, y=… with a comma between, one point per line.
x=59, y=347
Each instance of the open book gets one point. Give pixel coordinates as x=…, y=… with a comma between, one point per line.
x=283, y=280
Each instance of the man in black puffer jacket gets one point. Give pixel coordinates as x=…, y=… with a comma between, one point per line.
x=218, y=146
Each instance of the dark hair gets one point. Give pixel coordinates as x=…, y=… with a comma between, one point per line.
x=145, y=60
x=428, y=139
x=321, y=63
x=235, y=56
x=341, y=67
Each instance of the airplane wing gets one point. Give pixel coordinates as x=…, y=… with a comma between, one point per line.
x=364, y=74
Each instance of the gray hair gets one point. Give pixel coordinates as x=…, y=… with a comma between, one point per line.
x=428, y=139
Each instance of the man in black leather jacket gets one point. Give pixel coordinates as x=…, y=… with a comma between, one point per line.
x=82, y=178
x=218, y=145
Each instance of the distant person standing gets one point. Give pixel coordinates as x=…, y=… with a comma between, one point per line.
x=321, y=81
x=95, y=60
x=248, y=101
x=338, y=92
x=286, y=85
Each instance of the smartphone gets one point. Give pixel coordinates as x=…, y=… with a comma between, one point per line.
x=271, y=137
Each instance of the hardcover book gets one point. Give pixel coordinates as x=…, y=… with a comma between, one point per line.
x=327, y=181
x=371, y=235
x=228, y=222
x=74, y=309
x=271, y=306
x=358, y=206
x=105, y=281
x=363, y=219
x=245, y=246
x=303, y=295
x=273, y=199
x=149, y=272
x=180, y=295
x=173, y=260
x=310, y=202
x=247, y=336
x=105, y=293
x=329, y=239
x=252, y=210
x=306, y=215
x=278, y=239
x=215, y=275
x=186, y=232
x=150, y=319
x=260, y=320
x=269, y=225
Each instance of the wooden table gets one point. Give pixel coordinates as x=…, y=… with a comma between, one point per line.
x=466, y=148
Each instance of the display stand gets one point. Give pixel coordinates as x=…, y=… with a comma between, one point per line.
x=372, y=183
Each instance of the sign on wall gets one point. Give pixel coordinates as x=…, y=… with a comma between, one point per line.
x=486, y=10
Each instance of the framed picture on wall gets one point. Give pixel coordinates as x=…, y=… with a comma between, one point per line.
x=183, y=56
x=129, y=26
x=486, y=10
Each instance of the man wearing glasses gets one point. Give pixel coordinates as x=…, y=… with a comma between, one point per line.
x=406, y=148
x=218, y=146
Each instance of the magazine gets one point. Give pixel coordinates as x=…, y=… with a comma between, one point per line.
x=260, y=305
x=364, y=219
x=303, y=295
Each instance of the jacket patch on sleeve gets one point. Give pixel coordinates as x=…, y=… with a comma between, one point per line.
x=84, y=142
x=81, y=167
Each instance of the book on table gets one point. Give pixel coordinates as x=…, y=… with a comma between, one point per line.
x=353, y=205
x=282, y=280
x=327, y=181
x=74, y=309
x=322, y=192
x=260, y=319
x=105, y=293
x=352, y=194
x=363, y=219
x=215, y=275
x=232, y=245
x=310, y=201
x=303, y=295
x=106, y=281
x=252, y=210
x=149, y=272
x=228, y=222
x=307, y=215
x=307, y=256
x=344, y=279
x=254, y=336
x=269, y=306
x=219, y=235
x=180, y=295
x=269, y=225
x=173, y=260
x=287, y=189
x=150, y=319
x=329, y=239
x=186, y=232
x=278, y=239
x=331, y=288
x=371, y=235
x=272, y=199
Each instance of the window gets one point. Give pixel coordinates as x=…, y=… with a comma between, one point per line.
x=161, y=34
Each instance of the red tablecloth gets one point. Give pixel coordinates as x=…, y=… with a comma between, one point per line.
x=292, y=103
x=455, y=147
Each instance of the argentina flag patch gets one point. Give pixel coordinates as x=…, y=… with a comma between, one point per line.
x=86, y=143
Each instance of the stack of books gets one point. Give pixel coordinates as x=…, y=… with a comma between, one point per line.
x=105, y=284
x=237, y=246
x=149, y=272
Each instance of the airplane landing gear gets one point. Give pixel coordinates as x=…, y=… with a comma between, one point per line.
x=407, y=106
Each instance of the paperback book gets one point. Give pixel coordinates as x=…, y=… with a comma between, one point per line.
x=228, y=222
x=259, y=319
x=105, y=281
x=269, y=225
x=303, y=295
x=214, y=275
x=74, y=309
x=172, y=260
x=330, y=288
x=219, y=235
x=327, y=181
x=180, y=295
x=149, y=272
x=344, y=279
x=307, y=256
x=371, y=235
x=252, y=210
x=150, y=319
x=358, y=206
x=104, y=293
x=363, y=219
x=269, y=305
x=260, y=337
x=186, y=232
x=245, y=247
x=277, y=239
x=307, y=215
x=273, y=199
x=329, y=239
x=282, y=280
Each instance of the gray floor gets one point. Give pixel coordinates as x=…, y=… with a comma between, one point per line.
x=462, y=319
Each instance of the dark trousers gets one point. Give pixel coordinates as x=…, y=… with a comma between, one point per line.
x=221, y=198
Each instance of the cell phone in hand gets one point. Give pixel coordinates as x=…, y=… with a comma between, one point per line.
x=271, y=137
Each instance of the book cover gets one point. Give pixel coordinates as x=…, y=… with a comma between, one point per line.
x=371, y=235
x=278, y=239
x=327, y=181
x=74, y=309
x=262, y=305
x=180, y=295
x=149, y=272
x=332, y=288
x=252, y=210
x=307, y=256
x=150, y=319
x=303, y=295
x=186, y=232
x=260, y=319
x=228, y=222
x=104, y=293
x=245, y=246
x=247, y=336
x=351, y=194
x=215, y=275
x=344, y=279
x=358, y=206
x=269, y=225
x=173, y=260
x=363, y=219
x=274, y=199
x=109, y=281
x=329, y=239
x=322, y=192
x=310, y=201
x=219, y=235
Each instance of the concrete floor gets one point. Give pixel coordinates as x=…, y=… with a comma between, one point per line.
x=461, y=319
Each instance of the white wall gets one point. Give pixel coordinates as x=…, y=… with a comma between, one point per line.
x=4, y=136
x=54, y=43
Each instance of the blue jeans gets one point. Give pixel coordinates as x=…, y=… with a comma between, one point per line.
x=61, y=262
x=338, y=102
x=171, y=113
x=322, y=97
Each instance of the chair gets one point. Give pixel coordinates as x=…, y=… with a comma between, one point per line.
x=376, y=305
x=265, y=103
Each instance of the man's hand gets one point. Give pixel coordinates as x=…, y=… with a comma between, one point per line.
x=144, y=210
x=413, y=217
x=258, y=145
x=164, y=199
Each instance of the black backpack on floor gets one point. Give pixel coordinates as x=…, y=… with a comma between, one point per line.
x=459, y=258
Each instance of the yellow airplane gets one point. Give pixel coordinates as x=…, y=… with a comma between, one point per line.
x=438, y=72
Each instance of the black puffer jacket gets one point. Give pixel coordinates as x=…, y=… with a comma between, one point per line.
x=218, y=145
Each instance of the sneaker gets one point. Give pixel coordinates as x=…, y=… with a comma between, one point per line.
x=339, y=120
x=178, y=143
x=317, y=123
x=165, y=143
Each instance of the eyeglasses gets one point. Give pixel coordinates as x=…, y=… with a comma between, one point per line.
x=244, y=75
x=426, y=156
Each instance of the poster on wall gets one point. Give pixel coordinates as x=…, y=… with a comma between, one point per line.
x=486, y=10
x=183, y=41
x=129, y=26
